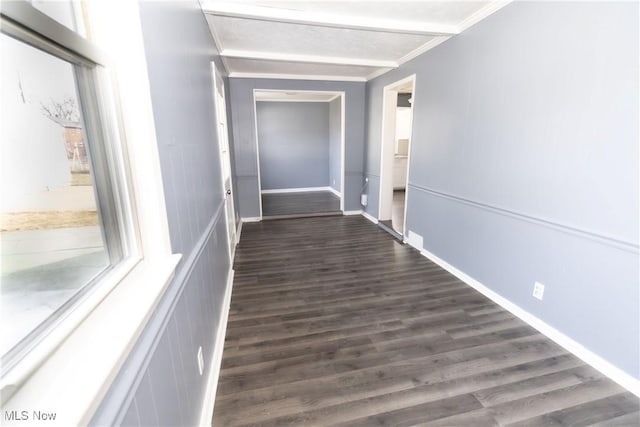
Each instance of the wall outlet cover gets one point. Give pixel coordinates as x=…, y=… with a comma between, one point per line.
x=538, y=290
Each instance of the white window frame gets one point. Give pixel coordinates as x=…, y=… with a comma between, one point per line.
x=70, y=369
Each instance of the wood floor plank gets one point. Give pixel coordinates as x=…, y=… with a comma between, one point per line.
x=595, y=411
x=334, y=322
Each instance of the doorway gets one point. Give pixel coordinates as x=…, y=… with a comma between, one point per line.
x=397, y=120
x=300, y=152
x=225, y=159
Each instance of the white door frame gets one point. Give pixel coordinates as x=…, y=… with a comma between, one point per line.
x=336, y=94
x=225, y=158
x=387, y=148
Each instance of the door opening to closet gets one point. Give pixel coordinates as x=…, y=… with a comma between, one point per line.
x=394, y=164
x=300, y=138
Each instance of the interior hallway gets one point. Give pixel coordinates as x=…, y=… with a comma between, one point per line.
x=334, y=322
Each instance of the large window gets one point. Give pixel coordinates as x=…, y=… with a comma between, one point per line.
x=65, y=216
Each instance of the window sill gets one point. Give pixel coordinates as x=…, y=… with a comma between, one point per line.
x=72, y=381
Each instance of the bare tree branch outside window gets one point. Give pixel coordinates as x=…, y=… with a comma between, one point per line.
x=67, y=109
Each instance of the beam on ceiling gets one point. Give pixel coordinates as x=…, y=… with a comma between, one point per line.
x=239, y=10
x=309, y=59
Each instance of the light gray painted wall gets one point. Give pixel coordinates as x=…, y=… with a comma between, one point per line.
x=335, y=143
x=160, y=383
x=244, y=136
x=524, y=163
x=293, y=141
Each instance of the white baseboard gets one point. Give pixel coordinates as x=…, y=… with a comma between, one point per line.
x=297, y=190
x=251, y=219
x=358, y=212
x=239, y=231
x=216, y=357
x=334, y=191
x=369, y=217
x=606, y=368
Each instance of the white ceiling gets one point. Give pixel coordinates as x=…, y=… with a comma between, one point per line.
x=333, y=39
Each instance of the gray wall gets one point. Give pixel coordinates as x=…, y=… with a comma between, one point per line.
x=160, y=383
x=293, y=141
x=244, y=137
x=335, y=143
x=524, y=163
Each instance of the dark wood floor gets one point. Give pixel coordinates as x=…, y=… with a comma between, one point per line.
x=307, y=203
x=334, y=322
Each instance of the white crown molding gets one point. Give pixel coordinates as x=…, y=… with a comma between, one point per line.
x=414, y=53
x=292, y=100
x=471, y=20
x=237, y=75
x=482, y=13
x=340, y=21
x=237, y=10
x=422, y=49
x=309, y=59
x=217, y=41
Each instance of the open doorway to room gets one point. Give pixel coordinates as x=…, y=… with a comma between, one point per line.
x=300, y=152
x=397, y=119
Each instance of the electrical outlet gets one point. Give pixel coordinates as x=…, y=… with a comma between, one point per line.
x=200, y=360
x=538, y=290
x=334, y=182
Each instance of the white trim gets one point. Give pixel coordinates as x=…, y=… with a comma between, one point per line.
x=491, y=7
x=293, y=100
x=343, y=148
x=238, y=233
x=340, y=193
x=224, y=150
x=476, y=17
x=297, y=190
x=238, y=75
x=387, y=138
x=370, y=217
x=422, y=49
x=307, y=59
x=309, y=91
x=255, y=124
x=217, y=41
x=349, y=213
x=405, y=228
x=216, y=356
x=321, y=19
x=251, y=219
x=337, y=193
x=606, y=368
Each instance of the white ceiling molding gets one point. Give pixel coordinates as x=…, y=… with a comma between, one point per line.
x=310, y=59
x=294, y=96
x=296, y=77
x=478, y=16
x=338, y=40
x=239, y=10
